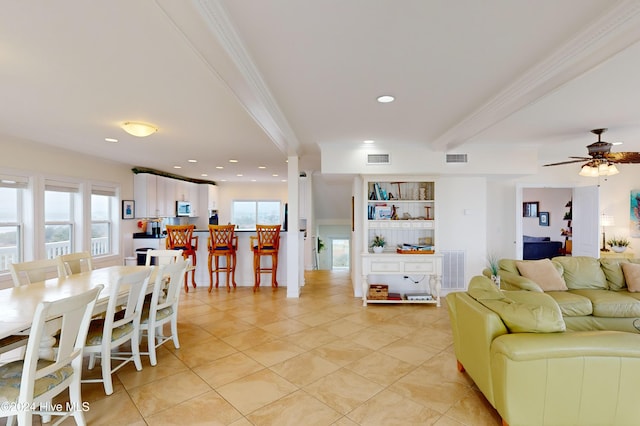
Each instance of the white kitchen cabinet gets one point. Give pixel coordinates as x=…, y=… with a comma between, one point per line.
x=145, y=195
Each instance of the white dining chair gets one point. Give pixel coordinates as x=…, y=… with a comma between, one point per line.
x=27, y=386
x=24, y=273
x=118, y=327
x=74, y=263
x=163, y=307
x=162, y=257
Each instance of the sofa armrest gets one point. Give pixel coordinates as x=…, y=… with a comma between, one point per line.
x=511, y=281
x=584, y=377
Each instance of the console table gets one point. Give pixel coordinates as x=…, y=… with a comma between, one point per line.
x=406, y=265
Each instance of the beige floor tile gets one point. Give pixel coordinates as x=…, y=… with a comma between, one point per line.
x=343, y=390
x=226, y=370
x=196, y=355
x=342, y=351
x=390, y=409
x=304, y=369
x=284, y=327
x=295, y=409
x=341, y=328
x=406, y=350
x=311, y=338
x=381, y=368
x=373, y=338
x=274, y=352
x=256, y=390
x=117, y=408
x=167, y=392
x=249, y=338
x=473, y=409
x=207, y=409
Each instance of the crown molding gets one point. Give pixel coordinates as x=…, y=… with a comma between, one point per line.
x=256, y=97
x=613, y=32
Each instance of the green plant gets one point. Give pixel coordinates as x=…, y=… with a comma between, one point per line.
x=618, y=242
x=378, y=241
x=492, y=264
x=320, y=245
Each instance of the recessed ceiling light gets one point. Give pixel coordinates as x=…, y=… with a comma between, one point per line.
x=177, y=167
x=616, y=143
x=283, y=180
x=369, y=141
x=385, y=99
x=253, y=180
x=233, y=161
x=239, y=175
x=204, y=175
x=275, y=175
x=192, y=161
x=219, y=167
x=262, y=167
x=111, y=140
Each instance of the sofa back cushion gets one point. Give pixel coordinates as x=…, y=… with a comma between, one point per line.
x=521, y=311
x=543, y=272
x=529, y=239
x=613, y=273
x=582, y=272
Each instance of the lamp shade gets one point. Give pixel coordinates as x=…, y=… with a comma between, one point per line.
x=606, y=220
x=139, y=129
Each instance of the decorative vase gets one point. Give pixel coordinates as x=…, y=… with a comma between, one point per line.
x=496, y=280
x=618, y=249
x=378, y=249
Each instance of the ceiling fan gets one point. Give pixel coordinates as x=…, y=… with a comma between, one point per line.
x=602, y=162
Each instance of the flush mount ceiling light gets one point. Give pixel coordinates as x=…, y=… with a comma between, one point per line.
x=139, y=129
x=385, y=99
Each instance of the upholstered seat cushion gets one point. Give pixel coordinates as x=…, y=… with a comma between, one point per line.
x=11, y=374
x=614, y=304
x=161, y=314
x=571, y=304
x=94, y=336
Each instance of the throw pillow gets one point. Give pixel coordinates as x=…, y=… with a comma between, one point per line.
x=543, y=273
x=631, y=273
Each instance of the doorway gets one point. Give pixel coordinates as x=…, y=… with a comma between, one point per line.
x=340, y=254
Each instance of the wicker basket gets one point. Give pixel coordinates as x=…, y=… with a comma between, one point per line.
x=378, y=292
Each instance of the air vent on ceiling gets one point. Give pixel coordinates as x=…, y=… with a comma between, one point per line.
x=456, y=158
x=378, y=159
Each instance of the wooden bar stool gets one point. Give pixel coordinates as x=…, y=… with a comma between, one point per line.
x=268, y=245
x=180, y=237
x=222, y=242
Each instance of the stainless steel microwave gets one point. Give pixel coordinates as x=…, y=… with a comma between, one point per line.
x=183, y=208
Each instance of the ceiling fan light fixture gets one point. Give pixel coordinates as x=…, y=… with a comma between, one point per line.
x=139, y=129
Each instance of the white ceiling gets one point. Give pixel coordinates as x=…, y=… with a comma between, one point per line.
x=257, y=81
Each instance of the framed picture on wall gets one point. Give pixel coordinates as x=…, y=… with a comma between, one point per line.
x=543, y=219
x=530, y=208
x=128, y=209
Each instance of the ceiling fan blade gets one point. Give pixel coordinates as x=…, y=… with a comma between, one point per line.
x=567, y=162
x=583, y=158
x=623, y=157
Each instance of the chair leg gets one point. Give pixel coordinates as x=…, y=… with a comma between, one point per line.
x=228, y=267
x=233, y=271
x=105, y=364
x=135, y=349
x=256, y=272
x=75, y=397
x=174, y=331
x=151, y=345
x=274, y=270
x=209, y=265
x=193, y=272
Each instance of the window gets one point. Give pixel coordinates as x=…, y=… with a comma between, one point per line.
x=100, y=224
x=11, y=236
x=246, y=214
x=59, y=218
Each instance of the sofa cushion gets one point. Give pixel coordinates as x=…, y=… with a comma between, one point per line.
x=543, y=273
x=582, y=272
x=571, y=304
x=613, y=304
x=529, y=239
x=521, y=311
x=631, y=272
x=613, y=273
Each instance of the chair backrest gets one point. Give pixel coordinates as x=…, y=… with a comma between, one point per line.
x=162, y=257
x=74, y=263
x=166, y=289
x=24, y=273
x=136, y=284
x=222, y=237
x=179, y=236
x=75, y=313
x=268, y=237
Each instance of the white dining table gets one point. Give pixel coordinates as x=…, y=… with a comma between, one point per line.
x=18, y=304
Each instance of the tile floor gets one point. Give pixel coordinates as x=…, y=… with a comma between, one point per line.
x=321, y=359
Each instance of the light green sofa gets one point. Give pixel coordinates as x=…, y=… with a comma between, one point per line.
x=596, y=296
x=511, y=344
